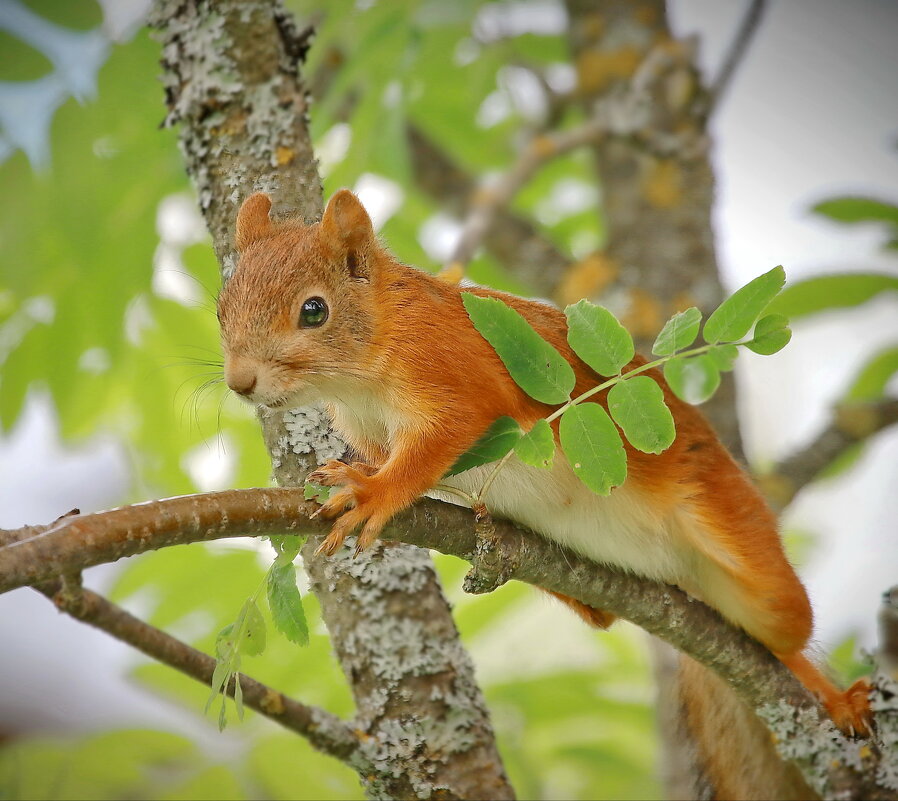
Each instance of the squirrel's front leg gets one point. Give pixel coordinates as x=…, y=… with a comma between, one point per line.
x=369, y=498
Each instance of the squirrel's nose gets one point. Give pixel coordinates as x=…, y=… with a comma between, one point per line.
x=240, y=377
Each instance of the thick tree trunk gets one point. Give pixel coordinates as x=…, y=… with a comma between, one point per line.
x=232, y=84
x=658, y=191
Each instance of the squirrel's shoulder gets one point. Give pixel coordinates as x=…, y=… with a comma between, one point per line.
x=412, y=280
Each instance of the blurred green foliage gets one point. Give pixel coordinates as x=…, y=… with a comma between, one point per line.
x=80, y=237
x=80, y=319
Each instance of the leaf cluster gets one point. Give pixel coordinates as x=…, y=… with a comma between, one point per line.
x=591, y=434
x=247, y=635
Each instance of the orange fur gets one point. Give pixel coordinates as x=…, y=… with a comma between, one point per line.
x=412, y=385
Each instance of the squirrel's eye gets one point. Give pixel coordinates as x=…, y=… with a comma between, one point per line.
x=313, y=313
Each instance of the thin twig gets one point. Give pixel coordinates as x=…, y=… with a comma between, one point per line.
x=851, y=424
x=512, y=238
x=736, y=52
x=324, y=731
x=486, y=203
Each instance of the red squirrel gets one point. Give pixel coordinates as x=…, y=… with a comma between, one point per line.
x=323, y=313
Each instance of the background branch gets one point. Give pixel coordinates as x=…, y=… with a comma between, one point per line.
x=851, y=423
x=486, y=202
x=736, y=52
x=324, y=731
x=512, y=238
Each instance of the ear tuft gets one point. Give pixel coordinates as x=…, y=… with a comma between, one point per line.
x=347, y=231
x=253, y=222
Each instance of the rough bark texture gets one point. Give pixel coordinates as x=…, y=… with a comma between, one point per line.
x=233, y=87
x=658, y=187
x=657, y=192
x=397, y=651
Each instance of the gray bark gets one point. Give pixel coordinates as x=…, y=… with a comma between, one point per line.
x=233, y=86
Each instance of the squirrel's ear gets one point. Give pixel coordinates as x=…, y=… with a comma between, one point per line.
x=253, y=222
x=347, y=230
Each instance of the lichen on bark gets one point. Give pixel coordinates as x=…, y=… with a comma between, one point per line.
x=231, y=74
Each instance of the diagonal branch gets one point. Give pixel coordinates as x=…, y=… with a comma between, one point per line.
x=486, y=203
x=324, y=731
x=852, y=423
x=77, y=543
x=736, y=52
x=512, y=238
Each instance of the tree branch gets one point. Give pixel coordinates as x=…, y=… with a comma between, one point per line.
x=736, y=52
x=512, y=238
x=77, y=543
x=324, y=731
x=757, y=677
x=852, y=423
x=231, y=71
x=486, y=202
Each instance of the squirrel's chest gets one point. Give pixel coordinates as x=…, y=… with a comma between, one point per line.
x=367, y=419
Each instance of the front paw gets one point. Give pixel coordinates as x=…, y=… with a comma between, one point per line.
x=335, y=473
x=365, y=515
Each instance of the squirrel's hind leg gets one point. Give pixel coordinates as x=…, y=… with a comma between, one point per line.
x=849, y=709
x=597, y=618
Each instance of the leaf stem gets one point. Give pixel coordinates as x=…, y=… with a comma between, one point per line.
x=492, y=476
x=596, y=389
x=469, y=499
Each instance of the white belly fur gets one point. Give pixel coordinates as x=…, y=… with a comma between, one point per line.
x=618, y=530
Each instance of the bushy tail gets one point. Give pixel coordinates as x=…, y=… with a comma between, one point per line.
x=731, y=750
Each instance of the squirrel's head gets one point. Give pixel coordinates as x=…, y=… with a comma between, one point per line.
x=297, y=315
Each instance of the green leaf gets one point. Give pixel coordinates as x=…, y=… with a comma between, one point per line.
x=287, y=546
x=870, y=382
x=219, y=680
x=637, y=406
x=679, y=332
x=252, y=632
x=537, y=446
x=593, y=446
x=498, y=440
x=224, y=643
x=286, y=604
x=540, y=370
x=826, y=292
x=723, y=357
x=772, y=334
x=315, y=492
x=736, y=315
x=238, y=696
x=857, y=210
x=693, y=379
x=598, y=338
